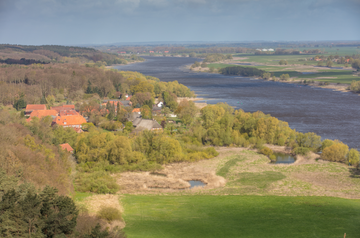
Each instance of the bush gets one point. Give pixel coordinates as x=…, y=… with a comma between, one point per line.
x=272, y=157
x=301, y=151
x=109, y=214
x=266, y=151
x=98, y=182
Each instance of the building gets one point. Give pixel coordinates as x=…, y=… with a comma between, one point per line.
x=33, y=107
x=146, y=124
x=67, y=147
x=63, y=107
x=74, y=121
x=270, y=49
x=264, y=50
x=136, y=110
x=42, y=113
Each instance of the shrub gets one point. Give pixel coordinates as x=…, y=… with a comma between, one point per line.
x=109, y=214
x=335, y=152
x=266, y=151
x=301, y=151
x=272, y=157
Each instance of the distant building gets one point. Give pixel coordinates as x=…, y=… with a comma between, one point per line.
x=136, y=110
x=67, y=147
x=258, y=49
x=264, y=50
x=42, y=113
x=151, y=51
x=146, y=124
x=74, y=121
x=270, y=49
x=33, y=107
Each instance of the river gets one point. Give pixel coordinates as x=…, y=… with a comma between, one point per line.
x=328, y=113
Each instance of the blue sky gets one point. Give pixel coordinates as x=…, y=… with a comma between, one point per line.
x=70, y=22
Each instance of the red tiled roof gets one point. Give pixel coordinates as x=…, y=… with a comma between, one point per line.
x=32, y=107
x=42, y=113
x=68, y=113
x=136, y=110
x=69, y=120
x=67, y=147
x=63, y=107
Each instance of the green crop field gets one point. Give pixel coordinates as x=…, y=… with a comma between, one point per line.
x=240, y=216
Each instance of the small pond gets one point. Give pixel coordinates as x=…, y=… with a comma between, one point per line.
x=196, y=183
x=283, y=159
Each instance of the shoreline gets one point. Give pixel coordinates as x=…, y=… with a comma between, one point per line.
x=334, y=86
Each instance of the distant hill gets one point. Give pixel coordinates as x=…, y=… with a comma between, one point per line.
x=56, y=53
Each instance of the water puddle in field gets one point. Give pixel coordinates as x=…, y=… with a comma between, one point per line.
x=283, y=159
x=196, y=183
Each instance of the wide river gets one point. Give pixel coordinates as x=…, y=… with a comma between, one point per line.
x=328, y=113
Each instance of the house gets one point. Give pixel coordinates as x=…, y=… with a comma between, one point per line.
x=151, y=51
x=42, y=113
x=159, y=104
x=136, y=110
x=68, y=113
x=63, y=107
x=156, y=110
x=270, y=49
x=128, y=98
x=74, y=121
x=264, y=50
x=146, y=124
x=166, y=51
x=33, y=107
x=67, y=147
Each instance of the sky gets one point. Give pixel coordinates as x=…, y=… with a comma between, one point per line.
x=77, y=22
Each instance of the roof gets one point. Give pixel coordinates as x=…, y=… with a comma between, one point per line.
x=69, y=120
x=136, y=121
x=146, y=124
x=155, y=108
x=67, y=147
x=42, y=113
x=63, y=107
x=68, y=113
x=32, y=107
x=136, y=110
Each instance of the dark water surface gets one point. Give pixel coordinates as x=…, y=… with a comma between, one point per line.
x=330, y=114
x=282, y=158
x=196, y=183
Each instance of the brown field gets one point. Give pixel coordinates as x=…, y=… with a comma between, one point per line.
x=308, y=176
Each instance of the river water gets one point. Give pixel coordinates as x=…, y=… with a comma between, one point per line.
x=328, y=113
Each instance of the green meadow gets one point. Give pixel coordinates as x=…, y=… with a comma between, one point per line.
x=240, y=216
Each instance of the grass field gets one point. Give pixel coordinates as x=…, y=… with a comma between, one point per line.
x=240, y=216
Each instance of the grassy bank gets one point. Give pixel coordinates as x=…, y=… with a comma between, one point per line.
x=240, y=216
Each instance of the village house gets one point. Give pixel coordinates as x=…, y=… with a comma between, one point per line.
x=74, y=121
x=136, y=110
x=42, y=113
x=146, y=124
x=67, y=147
x=33, y=107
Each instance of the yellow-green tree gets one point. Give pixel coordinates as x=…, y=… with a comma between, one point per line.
x=336, y=152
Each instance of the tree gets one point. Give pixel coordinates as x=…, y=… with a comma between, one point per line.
x=192, y=54
x=336, y=152
x=146, y=112
x=20, y=103
x=329, y=63
x=354, y=157
x=266, y=76
x=284, y=77
x=283, y=62
x=186, y=111
x=356, y=64
x=203, y=65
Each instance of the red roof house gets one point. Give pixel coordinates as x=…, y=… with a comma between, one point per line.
x=41, y=113
x=34, y=107
x=63, y=107
x=67, y=147
x=69, y=121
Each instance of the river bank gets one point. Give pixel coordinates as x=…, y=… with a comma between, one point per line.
x=293, y=80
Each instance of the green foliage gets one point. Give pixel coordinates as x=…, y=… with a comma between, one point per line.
x=326, y=143
x=301, y=151
x=109, y=214
x=356, y=64
x=266, y=151
x=259, y=180
x=96, y=181
x=284, y=77
x=266, y=76
x=26, y=213
x=283, y=62
x=243, y=71
x=336, y=152
x=20, y=103
x=309, y=140
x=355, y=86
x=354, y=157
